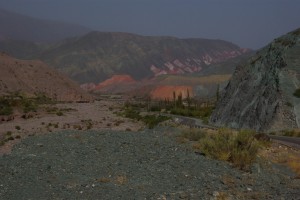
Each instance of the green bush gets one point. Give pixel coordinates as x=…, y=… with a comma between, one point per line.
x=131, y=113
x=152, y=120
x=5, y=107
x=238, y=148
x=29, y=105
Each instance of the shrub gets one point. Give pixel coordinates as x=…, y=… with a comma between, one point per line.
x=6, y=110
x=238, y=148
x=152, y=120
x=59, y=113
x=8, y=133
x=193, y=134
x=297, y=93
x=18, y=127
x=291, y=133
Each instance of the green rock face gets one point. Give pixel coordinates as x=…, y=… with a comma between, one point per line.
x=260, y=94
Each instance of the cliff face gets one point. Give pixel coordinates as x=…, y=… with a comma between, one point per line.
x=260, y=94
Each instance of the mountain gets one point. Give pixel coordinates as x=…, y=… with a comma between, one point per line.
x=35, y=77
x=98, y=56
x=262, y=93
x=21, y=27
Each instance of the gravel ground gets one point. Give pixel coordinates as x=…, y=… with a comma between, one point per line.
x=148, y=164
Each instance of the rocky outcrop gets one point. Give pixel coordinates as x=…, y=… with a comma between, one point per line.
x=35, y=77
x=260, y=94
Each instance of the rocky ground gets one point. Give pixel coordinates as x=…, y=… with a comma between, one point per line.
x=75, y=116
x=112, y=162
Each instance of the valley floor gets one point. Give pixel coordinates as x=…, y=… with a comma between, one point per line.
x=74, y=116
x=91, y=153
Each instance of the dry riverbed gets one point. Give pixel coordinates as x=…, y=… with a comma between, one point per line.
x=99, y=115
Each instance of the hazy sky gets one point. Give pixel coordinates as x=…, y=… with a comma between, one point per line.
x=248, y=23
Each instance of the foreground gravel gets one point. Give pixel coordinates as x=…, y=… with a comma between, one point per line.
x=130, y=165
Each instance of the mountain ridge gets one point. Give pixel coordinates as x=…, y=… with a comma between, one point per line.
x=97, y=56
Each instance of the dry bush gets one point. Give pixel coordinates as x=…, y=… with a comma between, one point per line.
x=103, y=180
x=192, y=135
x=121, y=180
x=238, y=148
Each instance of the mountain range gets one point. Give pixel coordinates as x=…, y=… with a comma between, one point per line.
x=113, y=62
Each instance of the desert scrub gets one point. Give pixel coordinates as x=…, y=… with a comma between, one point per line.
x=5, y=107
x=291, y=133
x=297, y=93
x=152, y=120
x=59, y=113
x=191, y=135
x=239, y=148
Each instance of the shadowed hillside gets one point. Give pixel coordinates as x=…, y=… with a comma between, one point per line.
x=35, y=77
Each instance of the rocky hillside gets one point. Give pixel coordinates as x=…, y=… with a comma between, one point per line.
x=262, y=93
x=21, y=27
x=35, y=77
x=98, y=55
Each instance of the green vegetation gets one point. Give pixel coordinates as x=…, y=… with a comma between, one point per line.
x=18, y=128
x=239, y=148
x=7, y=137
x=202, y=113
x=151, y=121
x=5, y=106
x=291, y=133
x=19, y=101
x=297, y=93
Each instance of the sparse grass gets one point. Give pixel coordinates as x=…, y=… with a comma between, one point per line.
x=192, y=135
x=104, y=180
x=121, y=180
x=239, y=148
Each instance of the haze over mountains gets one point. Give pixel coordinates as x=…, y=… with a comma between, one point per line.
x=25, y=28
x=95, y=57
